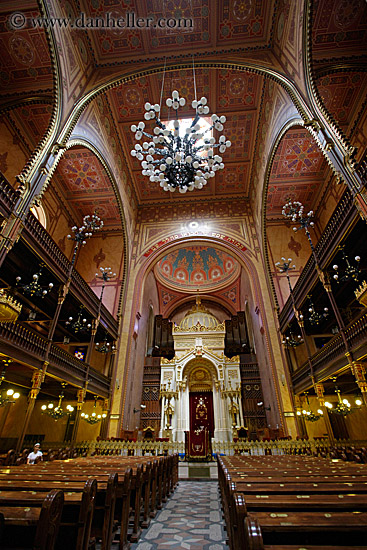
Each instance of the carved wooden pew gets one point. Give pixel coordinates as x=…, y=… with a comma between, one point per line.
x=284, y=489
x=36, y=527
x=307, y=530
x=77, y=514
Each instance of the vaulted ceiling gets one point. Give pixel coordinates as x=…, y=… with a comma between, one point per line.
x=226, y=31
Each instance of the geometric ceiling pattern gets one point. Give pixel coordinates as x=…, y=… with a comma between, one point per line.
x=25, y=59
x=298, y=172
x=32, y=122
x=215, y=26
x=342, y=94
x=339, y=28
x=197, y=267
x=225, y=30
x=86, y=187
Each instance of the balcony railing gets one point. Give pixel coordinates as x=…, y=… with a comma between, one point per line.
x=24, y=345
x=331, y=357
x=344, y=214
x=39, y=239
x=8, y=196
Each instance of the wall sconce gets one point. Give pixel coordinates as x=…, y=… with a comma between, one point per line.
x=139, y=410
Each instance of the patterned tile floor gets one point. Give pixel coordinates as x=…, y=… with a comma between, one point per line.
x=191, y=519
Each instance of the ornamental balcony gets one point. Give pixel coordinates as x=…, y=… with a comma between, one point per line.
x=345, y=215
x=29, y=348
x=331, y=357
x=8, y=197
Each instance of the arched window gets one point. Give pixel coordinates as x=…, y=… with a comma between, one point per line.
x=40, y=214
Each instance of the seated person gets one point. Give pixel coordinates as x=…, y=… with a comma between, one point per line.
x=36, y=453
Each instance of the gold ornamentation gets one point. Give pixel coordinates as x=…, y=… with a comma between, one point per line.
x=361, y=293
x=9, y=307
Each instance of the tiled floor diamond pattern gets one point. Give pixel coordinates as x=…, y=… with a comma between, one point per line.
x=191, y=519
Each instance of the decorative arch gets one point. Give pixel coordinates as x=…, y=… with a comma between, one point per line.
x=42, y=149
x=201, y=374
x=339, y=140
x=286, y=83
x=85, y=143
x=245, y=259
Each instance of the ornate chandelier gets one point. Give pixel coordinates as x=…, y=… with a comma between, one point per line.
x=105, y=346
x=9, y=307
x=57, y=412
x=180, y=158
x=308, y=415
x=79, y=325
x=292, y=341
x=350, y=271
x=93, y=418
x=34, y=288
x=7, y=396
x=315, y=317
x=343, y=406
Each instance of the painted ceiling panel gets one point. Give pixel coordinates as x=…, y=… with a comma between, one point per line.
x=25, y=59
x=339, y=28
x=190, y=268
x=298, y=173
x=86, y=186
x=343, y=94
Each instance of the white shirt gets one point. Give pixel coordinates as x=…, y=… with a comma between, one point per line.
x=33, y=456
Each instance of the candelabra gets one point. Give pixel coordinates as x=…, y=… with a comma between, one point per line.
x=308, y=415
x=104, y=346
x=57, y=412
x=182, y=157
x=315, y=318
x=34, y=288
x=350, y=271
x=93, y=418
x=91, y=223
x=79, y=325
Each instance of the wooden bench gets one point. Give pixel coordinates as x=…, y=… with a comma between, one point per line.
x=143, y=484
x=293, y=497
x=77, y=514
x=36, y=527
x=331, y=529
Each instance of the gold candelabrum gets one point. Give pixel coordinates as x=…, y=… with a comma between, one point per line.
x=167, y=392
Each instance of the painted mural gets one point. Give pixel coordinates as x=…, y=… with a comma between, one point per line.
x=197, y=267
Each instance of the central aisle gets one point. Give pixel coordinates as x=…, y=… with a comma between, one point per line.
x=191, y=519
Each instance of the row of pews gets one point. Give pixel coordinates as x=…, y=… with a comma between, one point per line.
x=74, y=503
x=293, y=503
